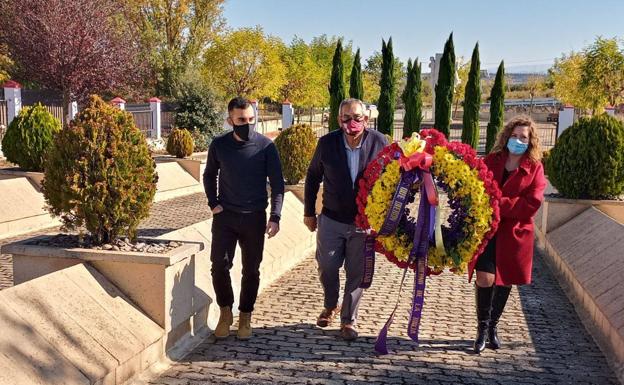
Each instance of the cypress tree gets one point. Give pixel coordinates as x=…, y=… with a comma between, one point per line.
x=405, y=97
x=405, y=94
x=444, y=88
x=412, y=99
x=472, y=102
x=387, y=90
x=336, y=88
x=356, y=87
x=497, y=108
x=418, y=105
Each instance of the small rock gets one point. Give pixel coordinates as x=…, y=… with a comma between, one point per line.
x=116, y=248
x=107, y=246
x=140, y=245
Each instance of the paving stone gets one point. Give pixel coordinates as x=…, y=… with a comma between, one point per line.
x=544, y=342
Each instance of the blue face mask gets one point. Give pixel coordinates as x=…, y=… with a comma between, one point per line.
x=516, y=147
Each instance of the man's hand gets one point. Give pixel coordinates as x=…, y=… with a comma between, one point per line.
x=310, y=222
x=272, y=229
x=218, y=209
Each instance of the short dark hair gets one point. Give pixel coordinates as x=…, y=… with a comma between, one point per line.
x=238, y=102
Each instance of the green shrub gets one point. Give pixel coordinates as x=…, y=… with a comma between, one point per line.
x=296, y=147
x=588, y=159
x=198, y=109
x=99, y=175
x=180, y=143
x=29, y=137
x=545, y=156
x=201, y=141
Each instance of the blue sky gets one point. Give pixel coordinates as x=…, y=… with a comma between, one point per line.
x=527, y=34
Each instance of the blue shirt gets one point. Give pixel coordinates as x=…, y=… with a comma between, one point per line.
x=353, y=158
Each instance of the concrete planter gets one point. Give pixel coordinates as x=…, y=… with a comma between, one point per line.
x=161, y=285
x=583, y=241
x=36, y=178
x=177, y=177
x=22, y=206
x=555, y=212
x=191, y=165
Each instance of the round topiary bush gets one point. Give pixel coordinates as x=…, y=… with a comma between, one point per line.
x=588, y=160
x=295, y=146
x=29, y=137
x=99, y=175
x=180, y=143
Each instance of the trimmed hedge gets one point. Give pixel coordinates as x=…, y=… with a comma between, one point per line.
x=588, y=160
x=180, y=143
x=295, y=146
x=29, y=137
x=100, y=175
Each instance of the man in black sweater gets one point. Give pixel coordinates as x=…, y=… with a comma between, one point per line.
x=339, y=161
x=241, y=161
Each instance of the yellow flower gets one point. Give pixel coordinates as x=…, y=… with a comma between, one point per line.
x=412, y=145
x=463, y=182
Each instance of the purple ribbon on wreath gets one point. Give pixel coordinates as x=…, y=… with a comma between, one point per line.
x=420, y=246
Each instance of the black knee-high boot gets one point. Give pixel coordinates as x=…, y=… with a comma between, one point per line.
x=499, y=299
x=483, y=300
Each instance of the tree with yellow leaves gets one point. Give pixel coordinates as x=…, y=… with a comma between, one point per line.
x=174, y=35
x=245, y=62
x=566, y=77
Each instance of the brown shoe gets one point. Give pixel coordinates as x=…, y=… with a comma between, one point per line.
x=244, y=326
x=225, y=321
x=327, y=316
x=348, y=332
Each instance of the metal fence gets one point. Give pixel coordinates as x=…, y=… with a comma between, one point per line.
x=270, y=119
x=143, y=121
x=547, y=133
x=167, y=122
x=56, y=111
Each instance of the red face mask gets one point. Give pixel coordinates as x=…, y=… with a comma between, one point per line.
x=353, y=127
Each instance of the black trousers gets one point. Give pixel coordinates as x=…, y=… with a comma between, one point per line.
x=248, y=230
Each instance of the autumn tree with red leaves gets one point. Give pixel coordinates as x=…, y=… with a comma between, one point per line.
x=78, y=47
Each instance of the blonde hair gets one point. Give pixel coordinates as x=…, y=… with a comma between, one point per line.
x=534, y=152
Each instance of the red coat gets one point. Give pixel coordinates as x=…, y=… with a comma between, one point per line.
x=522, y=196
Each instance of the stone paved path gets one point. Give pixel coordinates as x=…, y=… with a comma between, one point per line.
x=544, y=340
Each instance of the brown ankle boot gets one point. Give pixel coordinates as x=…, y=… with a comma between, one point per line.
x=244, y=326
x=225, y=321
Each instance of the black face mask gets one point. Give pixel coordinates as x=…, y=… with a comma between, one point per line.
x=242, y=131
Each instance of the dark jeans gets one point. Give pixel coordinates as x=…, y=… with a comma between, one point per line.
x=248, y=230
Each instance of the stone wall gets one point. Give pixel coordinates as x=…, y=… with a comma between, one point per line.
x=585, y=248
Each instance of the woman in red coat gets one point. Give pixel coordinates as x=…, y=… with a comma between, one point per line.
x=516, y=164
